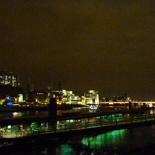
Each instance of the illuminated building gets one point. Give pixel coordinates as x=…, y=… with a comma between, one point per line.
x=10, y=95
x=65, y=96
x=36, y=97
x=92, y=97
x=68, y=97
x=8, y=78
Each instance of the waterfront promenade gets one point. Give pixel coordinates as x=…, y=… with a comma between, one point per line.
x=83, y=124
x=69, y=126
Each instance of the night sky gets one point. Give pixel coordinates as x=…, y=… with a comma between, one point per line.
x=106, y=45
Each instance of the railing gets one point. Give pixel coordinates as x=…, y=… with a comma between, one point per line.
x=83, y=125
x=113, y=121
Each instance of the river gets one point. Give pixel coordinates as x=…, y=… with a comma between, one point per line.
x=31, y=114
x=136, y=141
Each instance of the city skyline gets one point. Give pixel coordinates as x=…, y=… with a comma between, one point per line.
x=101, y=45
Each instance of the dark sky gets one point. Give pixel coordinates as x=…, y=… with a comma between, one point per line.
x=106, y=45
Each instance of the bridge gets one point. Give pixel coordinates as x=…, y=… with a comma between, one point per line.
x=94, y=106
x=125, y=102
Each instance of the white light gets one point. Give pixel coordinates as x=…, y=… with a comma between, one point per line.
x=9, y=126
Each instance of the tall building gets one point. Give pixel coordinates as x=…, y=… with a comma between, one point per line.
x=8, y=78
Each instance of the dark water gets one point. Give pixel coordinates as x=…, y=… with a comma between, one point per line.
x=27, y=114
x=135, y=141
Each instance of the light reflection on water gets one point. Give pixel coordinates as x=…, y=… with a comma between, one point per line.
x=103, y=140
x=111, y=142
x=27, y=114
x=117, y=142
x=64, y=149
x=17, y=114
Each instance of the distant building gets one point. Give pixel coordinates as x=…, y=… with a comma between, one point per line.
x=64, y=96
x=92, y=97
x=36, y=97
x=8, y=78
x=10, y=95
